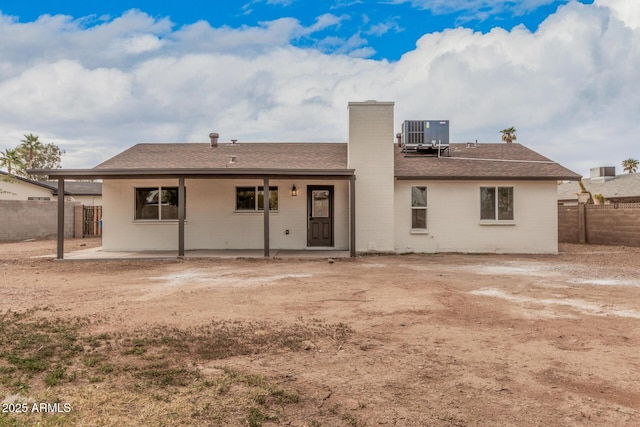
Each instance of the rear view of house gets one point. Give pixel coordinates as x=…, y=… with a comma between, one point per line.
x=374, y=193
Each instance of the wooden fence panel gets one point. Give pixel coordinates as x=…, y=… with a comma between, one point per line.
x=92, y=221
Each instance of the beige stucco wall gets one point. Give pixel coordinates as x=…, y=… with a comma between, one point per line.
x=14, y=189
x=453, y=219
x=371, y=140
x=211, y=221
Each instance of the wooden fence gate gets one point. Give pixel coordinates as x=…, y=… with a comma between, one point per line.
x=92, y=221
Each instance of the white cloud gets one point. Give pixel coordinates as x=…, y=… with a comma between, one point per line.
x=627, y=11
x=473, y=6
x=569, y=88
x=381, y=28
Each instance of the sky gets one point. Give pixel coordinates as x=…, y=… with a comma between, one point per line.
x=97, y=77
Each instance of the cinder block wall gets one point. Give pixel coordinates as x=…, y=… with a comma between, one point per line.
x=608, y=225
x=568, y=224
x=604, y=224
x=34, y=219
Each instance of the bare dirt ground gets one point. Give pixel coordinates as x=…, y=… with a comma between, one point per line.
x=451, y=340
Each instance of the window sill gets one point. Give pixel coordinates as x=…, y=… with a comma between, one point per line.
x=157, y=221
x=419, y=231
x=261, y=212
x=497, y=222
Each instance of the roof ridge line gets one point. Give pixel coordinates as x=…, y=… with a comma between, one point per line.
x=500, y=160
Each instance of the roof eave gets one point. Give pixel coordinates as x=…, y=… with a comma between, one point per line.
x=485, y=177
x=190, y=173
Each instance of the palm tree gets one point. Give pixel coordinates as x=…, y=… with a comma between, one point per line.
x=509, y=135
x=11, y=159
x=30, y=146
x=630, y=165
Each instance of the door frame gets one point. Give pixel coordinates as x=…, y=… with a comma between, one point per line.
x=310, y=189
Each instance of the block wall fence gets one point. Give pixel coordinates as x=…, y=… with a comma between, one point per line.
x=611, y=224
x=37, y=219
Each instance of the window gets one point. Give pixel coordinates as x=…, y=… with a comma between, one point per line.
x=496, y=203
x=157, y=203
x=251, y=198
x=419, y=208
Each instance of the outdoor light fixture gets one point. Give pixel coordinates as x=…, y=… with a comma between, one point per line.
x=294, y=190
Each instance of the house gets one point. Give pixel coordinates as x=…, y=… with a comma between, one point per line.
x=14, y=187
x=18, y=188
x=603, y=180
x=369, y=194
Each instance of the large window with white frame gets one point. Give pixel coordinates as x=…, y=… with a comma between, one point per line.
x=251, y=198
x=496, y=204
x=156, y=203
x=418, y=208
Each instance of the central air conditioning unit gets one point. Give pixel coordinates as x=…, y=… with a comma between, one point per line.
x=425, y=135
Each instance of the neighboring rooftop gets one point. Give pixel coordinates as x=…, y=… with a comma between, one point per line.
x=71, y=188
x=77, y=188
x=620, y=188
x=481, y=161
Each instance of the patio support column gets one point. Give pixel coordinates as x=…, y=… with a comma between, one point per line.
x=60, y=254
x=352, y=216
x=265, y=205
x=181, y=216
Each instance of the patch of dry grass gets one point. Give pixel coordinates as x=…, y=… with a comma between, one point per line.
x=150, y=376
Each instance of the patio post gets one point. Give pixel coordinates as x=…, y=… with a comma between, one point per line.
x=265, y=205
x=352, y=216
x=181, y=216
x=60, y=254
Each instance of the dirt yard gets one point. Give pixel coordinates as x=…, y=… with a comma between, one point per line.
x=416, y=340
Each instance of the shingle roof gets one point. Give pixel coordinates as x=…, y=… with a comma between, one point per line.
x=481, y=161
x=627, y=185
x=77, y=188
x=281, y=156
x=71, y=188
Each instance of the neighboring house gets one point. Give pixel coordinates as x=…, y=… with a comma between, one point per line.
x=603, y=180
x=366, y=195
x=18, y=188
x=89, y=193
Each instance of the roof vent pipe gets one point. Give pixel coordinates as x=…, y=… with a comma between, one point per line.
x=233, y=141
x=214, y=139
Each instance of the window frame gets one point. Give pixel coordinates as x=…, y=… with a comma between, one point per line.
x=160, y=189
x=498, y=210
x=416, y=207
x=258, y=191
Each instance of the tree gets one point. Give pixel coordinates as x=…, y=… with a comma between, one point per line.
x=48, y=157
x=29, y=147
x=630, y=165
x=10, y=159
x=33, y=154
x=509, y=135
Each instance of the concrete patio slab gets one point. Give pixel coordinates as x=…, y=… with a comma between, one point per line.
x=96, y=254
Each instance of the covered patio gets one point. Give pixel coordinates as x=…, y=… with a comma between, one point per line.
x=180, y=175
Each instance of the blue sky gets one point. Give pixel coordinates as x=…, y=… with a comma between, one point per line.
x=380, y=29
x=96, y=77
